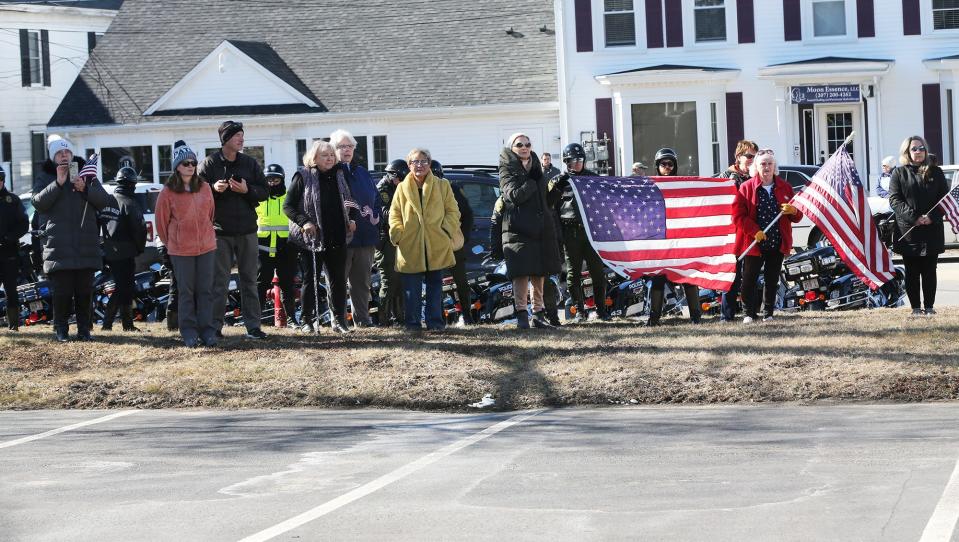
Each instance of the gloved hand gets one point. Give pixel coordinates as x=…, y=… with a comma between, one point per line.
x=760, y=236
x=788, y=209
x=559, y=181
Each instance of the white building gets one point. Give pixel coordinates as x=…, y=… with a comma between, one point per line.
x=44, y=45
x=793, y=75
x=456, y=77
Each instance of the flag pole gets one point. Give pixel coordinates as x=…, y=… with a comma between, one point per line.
x=924, y=214
x=845, y=142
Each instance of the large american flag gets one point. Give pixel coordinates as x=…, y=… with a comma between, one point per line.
x=836, y=202
x=950, y=204
x=680, y=227
x=90, y=169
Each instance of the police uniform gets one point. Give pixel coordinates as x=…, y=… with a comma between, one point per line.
x=391, y=291
x=275, y=254
x=13, y=225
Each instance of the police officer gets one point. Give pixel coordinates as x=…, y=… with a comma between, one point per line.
x=13, y=225
x=459, y=267
x=575, y=241
x=273, y=229
x=124, y=238
x=391, y=292
x=667, y=166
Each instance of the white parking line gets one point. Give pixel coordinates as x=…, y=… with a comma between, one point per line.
x=385, y=480
x=52, y=432
x=942, y=524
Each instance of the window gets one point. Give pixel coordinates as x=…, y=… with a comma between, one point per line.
x=945, y=14
x=361, y=152
x=34, y=58
x=300, y=150
x=139, y=158
x=714, y=137
x=710, y=16
x=482, y=197
x=380, y=157
x=670, y=124
x=620, y=22
x=829, y=18
x=165, y=157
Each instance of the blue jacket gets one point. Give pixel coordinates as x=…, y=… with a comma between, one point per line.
x=366, y=197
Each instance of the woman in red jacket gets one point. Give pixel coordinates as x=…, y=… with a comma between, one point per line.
x=184, y=218
x=759, y=202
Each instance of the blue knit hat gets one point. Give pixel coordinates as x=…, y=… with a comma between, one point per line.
x=182, y=152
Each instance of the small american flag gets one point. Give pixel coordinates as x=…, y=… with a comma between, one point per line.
x=680, y=227
x=90, y=169
x=950, y=204
x=836, y=202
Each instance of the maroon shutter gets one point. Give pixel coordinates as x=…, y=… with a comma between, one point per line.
x=45, y=56
x=584, y=26
x=604, y=127
x=25, y=57
x=866, y=18
x=932, y=117
x=654, y=24
x=674, y=23
x=910, y=18
x=734, y=122
x=792, y=20
x=745, y=21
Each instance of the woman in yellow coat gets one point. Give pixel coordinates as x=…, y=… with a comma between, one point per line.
x=425, y=228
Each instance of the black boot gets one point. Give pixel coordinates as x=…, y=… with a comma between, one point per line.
x=384, y=315
x=84, y=316
x=552, y=316
x=171, y=321
x=13, y=318
x=655, y=306
x=62, y=307
x=126, y=316
x=522, y=319
x=110, y=314
x=540, y=321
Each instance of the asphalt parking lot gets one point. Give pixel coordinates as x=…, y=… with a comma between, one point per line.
x=867, y=472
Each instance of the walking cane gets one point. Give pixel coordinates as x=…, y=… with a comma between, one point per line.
x=316, y=295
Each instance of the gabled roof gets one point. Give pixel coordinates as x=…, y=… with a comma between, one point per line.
x=372, y=55
x=830, y=60
x=827, y=66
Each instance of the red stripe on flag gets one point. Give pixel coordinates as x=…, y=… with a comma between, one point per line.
x=706, y=231
x=668, y=254
x=699, y=212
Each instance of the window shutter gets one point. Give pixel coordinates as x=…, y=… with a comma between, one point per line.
x=910, y=18
x=866, y=18
x=674, y=23
x=792, y=21
x=734, y=122
x=932, y=117
x=45, y=56
x=604, y=126
x=654, y=24
x=24, y=57
x=584, y=26
x=746, y=21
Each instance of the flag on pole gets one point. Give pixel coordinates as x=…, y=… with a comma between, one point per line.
x=90, y=169
x=680, y=227
x=836, y=203
x=950, y=204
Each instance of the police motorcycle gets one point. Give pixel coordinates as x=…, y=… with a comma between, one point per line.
x=151, y=290
x=34, y=293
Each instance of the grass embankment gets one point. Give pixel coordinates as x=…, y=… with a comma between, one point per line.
x=863, y=355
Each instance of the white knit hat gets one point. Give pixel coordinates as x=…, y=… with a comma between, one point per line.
x=512, y=139
x=56, y=144
x=889, y=161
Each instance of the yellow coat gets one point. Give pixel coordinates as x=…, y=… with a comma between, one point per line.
x=425, y=229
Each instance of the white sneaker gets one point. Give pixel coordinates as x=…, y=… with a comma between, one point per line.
x=767, y=318
x=461, y=322
x=748, y=320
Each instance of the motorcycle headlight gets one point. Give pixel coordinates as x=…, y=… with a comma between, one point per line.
x=806, y=267
x=828, y=260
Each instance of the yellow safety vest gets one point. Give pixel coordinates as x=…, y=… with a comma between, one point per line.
x=271, y=222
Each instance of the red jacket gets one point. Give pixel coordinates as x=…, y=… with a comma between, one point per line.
x=745, y=213
x=185, y=221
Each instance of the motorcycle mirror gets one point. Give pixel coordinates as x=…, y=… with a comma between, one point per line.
x=477, y=249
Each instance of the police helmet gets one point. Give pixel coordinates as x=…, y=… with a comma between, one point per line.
x=399, y=168
x=573, y=151
x=665, y=154
x=436, y=168
x=274, y=170
x=126, y=175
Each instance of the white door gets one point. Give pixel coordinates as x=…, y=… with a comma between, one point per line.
x=833, y=124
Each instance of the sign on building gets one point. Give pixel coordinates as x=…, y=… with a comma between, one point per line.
x=825, y=94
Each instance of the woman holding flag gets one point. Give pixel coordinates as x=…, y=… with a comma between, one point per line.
x=764, y=217
x=915, y=191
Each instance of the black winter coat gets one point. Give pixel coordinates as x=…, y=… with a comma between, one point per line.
x=910, y=197
x=466, y=212
x=125, y=234
x=235, y=213
x=13, y=223
x=529, y=237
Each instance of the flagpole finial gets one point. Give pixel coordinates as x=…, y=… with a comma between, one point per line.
x=848, y=139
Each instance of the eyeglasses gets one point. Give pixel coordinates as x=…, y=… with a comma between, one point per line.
x=577, y=160
x=749, y=155
x=920, y=148
x=522, y=145
x=419, y=162
x=345, y=147
x=188, y=163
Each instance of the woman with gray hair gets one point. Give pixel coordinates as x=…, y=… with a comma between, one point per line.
x=322, y=221
x=915, y=189
x=761, y=200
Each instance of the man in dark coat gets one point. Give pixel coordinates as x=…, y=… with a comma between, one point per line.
x=391, y=292
x=238, y=188
x=13, y=225
x=124, y=238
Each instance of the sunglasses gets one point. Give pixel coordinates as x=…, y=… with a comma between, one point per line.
x=523, y=145
x=749, y=155
x=188, y=163
x=392, y=174
x=577, y=160
x=920, y=148
x=667, y=164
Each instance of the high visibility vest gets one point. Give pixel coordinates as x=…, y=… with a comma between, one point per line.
x=271, y=222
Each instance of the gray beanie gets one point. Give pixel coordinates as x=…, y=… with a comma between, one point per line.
x=182, y=152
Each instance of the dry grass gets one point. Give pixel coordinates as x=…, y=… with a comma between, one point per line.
x=864, y=355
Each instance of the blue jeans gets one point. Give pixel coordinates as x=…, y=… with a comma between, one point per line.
x=413, y=299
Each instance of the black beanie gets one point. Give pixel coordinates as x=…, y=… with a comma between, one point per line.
x=229, y=129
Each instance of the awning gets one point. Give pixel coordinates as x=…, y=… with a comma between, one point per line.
x=667, y=73
x=827, y=67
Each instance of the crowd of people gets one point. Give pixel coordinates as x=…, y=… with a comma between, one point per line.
x=333, y=223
